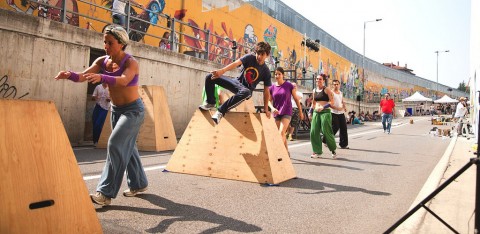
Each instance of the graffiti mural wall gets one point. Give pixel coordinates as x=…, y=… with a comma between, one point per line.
x=229, y=23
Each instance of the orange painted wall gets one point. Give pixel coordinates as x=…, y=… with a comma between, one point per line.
x=230, y=21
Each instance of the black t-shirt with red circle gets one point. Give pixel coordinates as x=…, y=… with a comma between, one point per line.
x=252, y=72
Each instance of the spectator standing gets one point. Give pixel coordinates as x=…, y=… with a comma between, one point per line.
x=102, y=98
x=164, y=42
x=459, y=116
x=387, y=108
x=119, y=13
x=296, y=115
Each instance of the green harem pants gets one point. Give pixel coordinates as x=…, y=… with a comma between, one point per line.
x=321, y=125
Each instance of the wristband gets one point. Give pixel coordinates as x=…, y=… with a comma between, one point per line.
x=110, y=80
x=310, y=111
x=326, y=106
x=74, y=76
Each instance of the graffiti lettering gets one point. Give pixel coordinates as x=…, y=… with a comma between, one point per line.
x=7, y=90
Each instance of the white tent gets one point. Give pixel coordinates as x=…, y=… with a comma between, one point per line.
x=417, y=97
x=446, y=99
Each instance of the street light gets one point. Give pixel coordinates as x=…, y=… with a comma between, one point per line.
x=437, y=52
x=365, y=27
x=363, y=58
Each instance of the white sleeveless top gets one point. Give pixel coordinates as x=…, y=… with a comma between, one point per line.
x=337, y=98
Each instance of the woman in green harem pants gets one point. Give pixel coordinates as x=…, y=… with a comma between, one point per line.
x=322, y=118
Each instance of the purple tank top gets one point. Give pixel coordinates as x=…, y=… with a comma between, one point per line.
x=281, y=96
x=119, y=72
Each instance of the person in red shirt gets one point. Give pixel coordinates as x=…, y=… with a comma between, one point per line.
x=387, y=108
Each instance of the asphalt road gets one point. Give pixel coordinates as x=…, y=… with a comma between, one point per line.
x=365, y=190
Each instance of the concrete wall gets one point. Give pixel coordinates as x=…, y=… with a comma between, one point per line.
x=34, y=50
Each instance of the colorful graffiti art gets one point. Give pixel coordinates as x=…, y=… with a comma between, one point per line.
x=48, y=12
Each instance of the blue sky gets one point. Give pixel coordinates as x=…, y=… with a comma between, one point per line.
x=410, y=32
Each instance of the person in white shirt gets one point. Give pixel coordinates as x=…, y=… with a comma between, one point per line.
x=102, y=99
x=118, y=11
x=338, y=115
x=460, y=113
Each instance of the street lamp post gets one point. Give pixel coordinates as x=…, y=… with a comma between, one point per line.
x=363, y=58
x=437, y=52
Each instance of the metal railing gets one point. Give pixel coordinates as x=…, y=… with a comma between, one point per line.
x=185, y=37
x=190, y=39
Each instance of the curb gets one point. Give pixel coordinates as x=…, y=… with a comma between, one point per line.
x=413, y=223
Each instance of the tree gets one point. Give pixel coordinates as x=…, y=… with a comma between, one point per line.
x=463, y=87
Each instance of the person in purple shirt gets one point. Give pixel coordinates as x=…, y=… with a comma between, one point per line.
x=280, y=102
x=120, y=71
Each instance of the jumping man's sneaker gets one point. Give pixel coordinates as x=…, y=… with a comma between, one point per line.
x=100, y=199
x=217, y=117
x=206, y=106
x=314, y=155
x=133, y=192
x=334, y=154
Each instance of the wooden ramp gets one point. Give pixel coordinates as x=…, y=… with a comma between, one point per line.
x=41, y=189
x=157, y=132
x=244, y=146
x=245, y=106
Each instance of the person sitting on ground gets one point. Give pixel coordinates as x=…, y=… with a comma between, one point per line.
x=362, y=116
x=351, y=116
x=375, y=116
x=356, y=120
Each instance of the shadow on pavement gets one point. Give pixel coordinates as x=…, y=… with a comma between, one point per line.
x=321, y=187
x=373, y=151
x=366, y=162
x=181, y=212
x=324, y=164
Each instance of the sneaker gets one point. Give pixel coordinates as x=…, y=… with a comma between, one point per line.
x=290, y=138
x=346, y=147
x=133, y=192
x=100, y=199
x=334, y=154
x=314, y=155
x=206, y=106
x=388, y=132
x=217, y=117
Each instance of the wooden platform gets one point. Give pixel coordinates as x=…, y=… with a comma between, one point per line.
x=244, y=146
x=41, y=189
x=157, y=132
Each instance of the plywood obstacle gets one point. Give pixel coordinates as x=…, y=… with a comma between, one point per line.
x=244, y=146
x=157, y=132
x=42, y=189
x=245, y=106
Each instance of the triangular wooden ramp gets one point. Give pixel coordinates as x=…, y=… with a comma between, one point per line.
x=42, y=189
x=157, y=132
x=244, y=146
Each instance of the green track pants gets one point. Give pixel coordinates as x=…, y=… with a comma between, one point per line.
x=321, y=126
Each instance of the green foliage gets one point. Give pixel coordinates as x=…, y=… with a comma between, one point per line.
x=463, y=87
